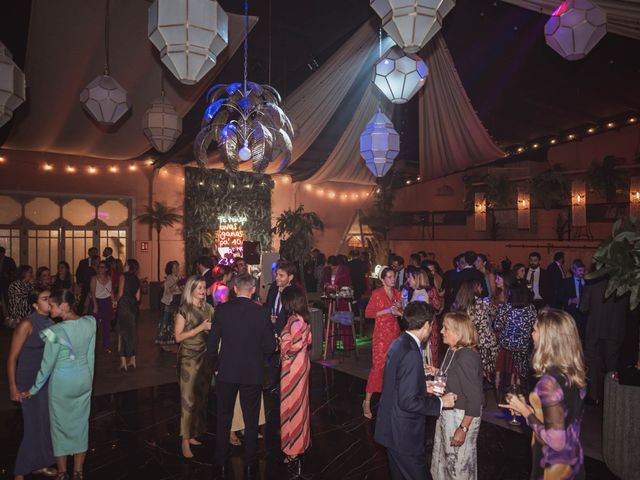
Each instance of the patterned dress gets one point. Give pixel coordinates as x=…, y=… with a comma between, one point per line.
x=295, y=429
x=482, y=314
x=556, y=450
x=385, y=331
x=19, y=307
x=513, y=327
x=194, y=373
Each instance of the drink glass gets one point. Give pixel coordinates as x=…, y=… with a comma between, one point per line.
x=512, y=391
x=439, y=383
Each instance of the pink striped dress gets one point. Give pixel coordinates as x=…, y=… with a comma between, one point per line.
x=295, y=431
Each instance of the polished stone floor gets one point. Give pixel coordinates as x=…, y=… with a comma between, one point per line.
x=133, y=434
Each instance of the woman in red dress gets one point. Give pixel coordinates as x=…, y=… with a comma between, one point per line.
x=295, y=429
x=384, y=307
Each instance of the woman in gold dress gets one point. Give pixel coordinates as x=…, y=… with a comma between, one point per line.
x=192, y=325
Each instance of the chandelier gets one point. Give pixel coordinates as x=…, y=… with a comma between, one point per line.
x=399, y=75
x=12, y=85
x=246, y=121
x=379, y=144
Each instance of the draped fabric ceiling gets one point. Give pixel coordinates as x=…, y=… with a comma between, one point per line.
x=66, y=51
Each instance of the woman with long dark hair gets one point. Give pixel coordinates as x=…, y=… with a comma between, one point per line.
x=62, y=279
x=295, y=339
x=102, y=299
x=127, y=314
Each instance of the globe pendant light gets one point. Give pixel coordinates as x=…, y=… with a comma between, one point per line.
x=247, y=122
x=399, y=75
x=190, y=34
x=12, y=85
x=104, y=98
x=161, y=124
x=575, y=28
x=412, y=23
x=379, y=144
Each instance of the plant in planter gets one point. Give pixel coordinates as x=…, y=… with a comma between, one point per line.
x=550, y=187
x=159, y=216
x=295, y=229
x=604, y=179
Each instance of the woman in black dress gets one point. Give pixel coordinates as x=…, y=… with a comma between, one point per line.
x=127, y=314
x=62, y=279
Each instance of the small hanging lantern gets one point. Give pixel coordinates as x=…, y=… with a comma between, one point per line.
x=379, y=144
x=399, y=75
x=575, y=28
x=161, y=124
x=12, y=85
x=105, y=100
x=190, y=34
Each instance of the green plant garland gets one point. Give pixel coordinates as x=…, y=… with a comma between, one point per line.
x=210, y=194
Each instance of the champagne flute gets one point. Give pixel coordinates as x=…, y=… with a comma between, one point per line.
x=512, y=391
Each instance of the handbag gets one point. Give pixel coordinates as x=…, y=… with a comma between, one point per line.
x=343, y=318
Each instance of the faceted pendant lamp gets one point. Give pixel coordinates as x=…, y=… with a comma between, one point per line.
x=399, y=75
x=575, y=28
x=412, y=23
x=379, y=144
x=190, y=34
x=105, y=100
x=12, y=85
x=161, y=124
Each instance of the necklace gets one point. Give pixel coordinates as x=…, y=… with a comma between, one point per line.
x=445, y=370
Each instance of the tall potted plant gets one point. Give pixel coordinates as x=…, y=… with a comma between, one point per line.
x=605, y=179
x=295, y=229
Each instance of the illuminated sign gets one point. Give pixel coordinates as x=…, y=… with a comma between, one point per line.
x=230, y=236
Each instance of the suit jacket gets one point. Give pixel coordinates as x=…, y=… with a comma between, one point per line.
x=606, y=316
x=555, y=282
x=404, y=402
x=82, y=272
x=567, y=293
x=467, y=275
x=8, y=271
x=543, y=284
x=269, y=306
x=246, y=333
x=449, y=285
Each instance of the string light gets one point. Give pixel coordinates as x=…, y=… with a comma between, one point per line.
x=520, y=149
x=308, y=187
x=286, y=179
x=535, y=145
x=92, y=170
x=611, y=125
x=3, y=160
x=591, y=130
x=633, y=120
x=114, y=169
x=553, y=141
x=133, y=168
x=332, y=194
x=47, y=167
x=408, y=182
x=571, y=136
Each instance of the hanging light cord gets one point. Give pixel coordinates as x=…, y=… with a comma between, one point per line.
x=106, y=39
x=246, y=43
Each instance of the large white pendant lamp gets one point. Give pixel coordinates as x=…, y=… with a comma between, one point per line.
x=379, y=144
x=161, y=124
x=12, y=85
x=190, y=34
x=575, y=28
x=412, y=23
x=399, y=75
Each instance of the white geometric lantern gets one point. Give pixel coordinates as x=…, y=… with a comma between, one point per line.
x=575, y=28
x=12, y=85
x=161, y=124
x=105, y=100
x=190, y=34
x=399, y=75
x=412, y=23
x=379, y=144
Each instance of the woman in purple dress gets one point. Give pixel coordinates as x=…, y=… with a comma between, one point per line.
x=555, y=407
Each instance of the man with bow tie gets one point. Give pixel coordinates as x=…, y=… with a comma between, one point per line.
x=573, y=291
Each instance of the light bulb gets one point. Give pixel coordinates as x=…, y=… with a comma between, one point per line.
x=244, y=153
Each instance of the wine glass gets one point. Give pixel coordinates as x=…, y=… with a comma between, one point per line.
x=512, y=391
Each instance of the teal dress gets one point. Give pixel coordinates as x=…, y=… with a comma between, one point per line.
x=68, y=364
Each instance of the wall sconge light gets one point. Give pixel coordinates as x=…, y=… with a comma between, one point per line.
x=480, y=212
x=634, y=197
x=524, y=209
x=578, y=203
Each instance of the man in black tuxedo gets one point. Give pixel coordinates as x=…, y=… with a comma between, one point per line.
x=204, y=264
x=468, y=273
x=84, y=272
x=8, y=270
x=358, y=274
x=555, y=278
x=285, y=273
x=572, y=292
x=404, y=403
x=243, y=331
x=536, y=278
x=107, y=253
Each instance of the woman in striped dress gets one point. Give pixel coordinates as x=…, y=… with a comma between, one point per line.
x=295, y=430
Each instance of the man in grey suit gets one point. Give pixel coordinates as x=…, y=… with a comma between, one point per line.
x=605, y=332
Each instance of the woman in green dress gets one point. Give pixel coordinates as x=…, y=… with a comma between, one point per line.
x=192, y=326
x=68, y=364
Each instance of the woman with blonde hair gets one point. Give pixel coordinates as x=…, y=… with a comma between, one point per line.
x=192, y=326
x=555, y=407
x=454, y=449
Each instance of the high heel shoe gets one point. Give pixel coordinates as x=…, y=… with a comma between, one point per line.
x=78, y=476
x=62, y=476
x=187, y=453
x=122, y=368
x=294, y=465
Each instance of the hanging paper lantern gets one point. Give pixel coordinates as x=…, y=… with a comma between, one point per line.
x=190, y=34
x=379, y=144
x=12, y=85
x=105, y=100
x=399, y=75
x=161, y=124
x=575, y=28
x=412, y=23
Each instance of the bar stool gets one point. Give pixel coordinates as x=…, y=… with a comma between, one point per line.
x=331, y=332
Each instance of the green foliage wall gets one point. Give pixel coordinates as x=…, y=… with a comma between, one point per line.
x=212, y=193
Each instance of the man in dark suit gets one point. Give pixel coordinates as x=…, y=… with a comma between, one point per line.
x=404, y=403
x=571, y=295
x=555, y=278
x=358, y=273
x=468, y=273
x=8, y=270
x=285, y=273
x=204, y=264
x=605, y=332
x=449, y=282
x=397, y=263
x=243, y=331
x=536, y=278
x=84, y=272
x=107, y=253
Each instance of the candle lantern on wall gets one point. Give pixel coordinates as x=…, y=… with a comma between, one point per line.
x=480, y=212
x=524, y=209
x=634, y=197
x=578, y=203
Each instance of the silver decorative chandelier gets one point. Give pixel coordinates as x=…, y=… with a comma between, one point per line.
x=246, y=121
x=12, y=85
x=399, y=75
